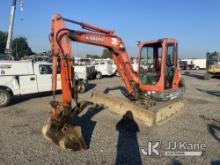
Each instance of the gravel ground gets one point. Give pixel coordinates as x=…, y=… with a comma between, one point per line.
x=112, y=140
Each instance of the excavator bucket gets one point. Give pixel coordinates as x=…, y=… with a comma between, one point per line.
x=64, y=132
x=69, y=137
x=148, y=116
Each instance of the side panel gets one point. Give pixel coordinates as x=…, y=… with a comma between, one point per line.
x=81, y=72
x=44, y=82
x=12, y=68
x=201, y=63
x=105, y=69
x=44, y=79
x=28, y=84
x=10, y=82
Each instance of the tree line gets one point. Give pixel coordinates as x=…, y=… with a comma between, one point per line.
x=105, y=54
x=212, y=53
x=19, y=45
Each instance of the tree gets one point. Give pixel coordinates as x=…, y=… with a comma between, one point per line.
x=20, y=47
x=3, y=40
x=93, y=56
x=213, y=55
x=106, y=54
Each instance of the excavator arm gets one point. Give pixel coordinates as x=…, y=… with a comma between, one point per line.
x=60, y=129
x=107, y=38
x=62, y=60
x=61, y=50
x=119, y=53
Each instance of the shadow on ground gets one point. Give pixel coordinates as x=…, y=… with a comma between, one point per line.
x=194, y=74
x=90, y=87
x=213, y=126
x=121, y=88
x=86, y=123
x=214, y=130
x=216, y=77
x=215, y=162
x=211, y=92
x=19, y=99
x=127, y=146
x=175, y=162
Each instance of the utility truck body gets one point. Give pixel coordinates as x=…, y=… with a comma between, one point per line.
x=25, y=77
x=104, y=67
x=199, y=64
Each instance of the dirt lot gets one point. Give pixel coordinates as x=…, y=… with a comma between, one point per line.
x=112, y=140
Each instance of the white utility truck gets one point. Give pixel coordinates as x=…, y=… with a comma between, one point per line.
x=195, y=63
x=104, y=67
x=134, y=63
x=199, y=64
x=85, y=63
x=25, y=77
x=85, y=71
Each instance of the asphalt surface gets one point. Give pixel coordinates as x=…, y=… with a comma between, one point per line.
x=111, y=139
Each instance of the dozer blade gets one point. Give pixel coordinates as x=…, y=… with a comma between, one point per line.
x=121, y=107
x=63, y=132
x=149, y=117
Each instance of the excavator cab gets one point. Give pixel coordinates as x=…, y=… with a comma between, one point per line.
x=158, y=69
x=150, y=63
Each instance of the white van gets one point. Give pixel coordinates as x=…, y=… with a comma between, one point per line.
x=199, y=64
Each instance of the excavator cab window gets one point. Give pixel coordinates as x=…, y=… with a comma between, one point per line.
x=170, y=66
x=150, y=63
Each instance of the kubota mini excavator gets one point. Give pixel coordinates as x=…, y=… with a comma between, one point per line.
x=158, y=79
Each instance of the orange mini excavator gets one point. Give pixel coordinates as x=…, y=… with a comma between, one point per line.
x=158, y=80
